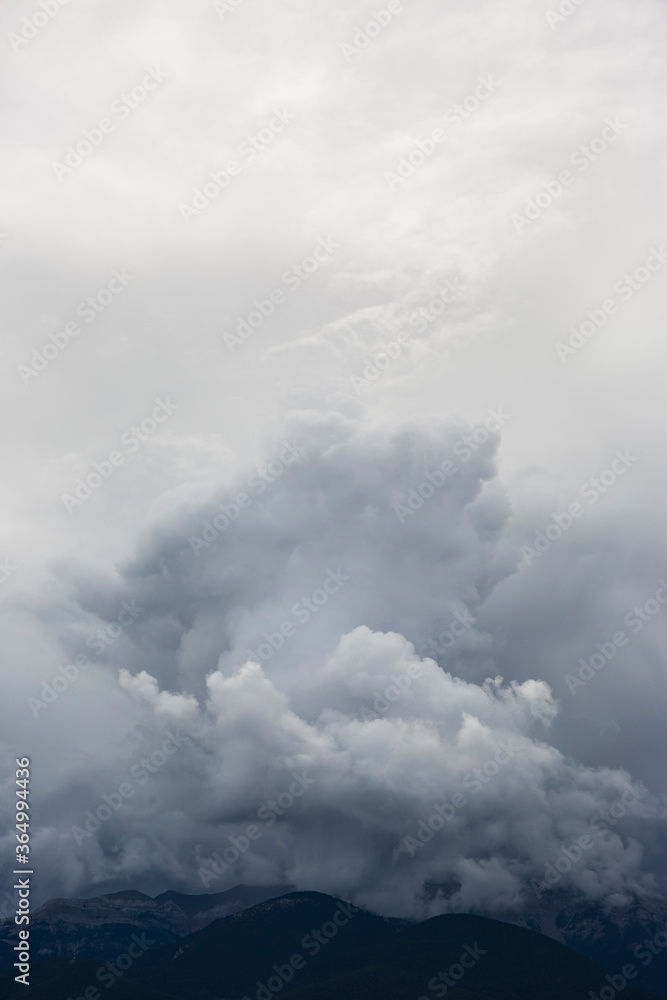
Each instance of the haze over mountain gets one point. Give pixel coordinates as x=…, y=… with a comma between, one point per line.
x=312, y=945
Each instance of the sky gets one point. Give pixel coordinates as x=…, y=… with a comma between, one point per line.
x=333, y=447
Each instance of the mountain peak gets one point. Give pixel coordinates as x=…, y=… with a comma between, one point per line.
x=127, y=894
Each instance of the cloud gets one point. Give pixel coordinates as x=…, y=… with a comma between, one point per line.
x=368, y=555
x=285, y=646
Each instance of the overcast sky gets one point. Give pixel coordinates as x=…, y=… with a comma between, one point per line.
x=408, y=349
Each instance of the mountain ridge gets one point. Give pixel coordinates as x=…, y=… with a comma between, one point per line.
x=180, y=925
x=307, y=945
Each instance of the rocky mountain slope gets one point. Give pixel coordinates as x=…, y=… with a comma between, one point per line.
x=308, y=945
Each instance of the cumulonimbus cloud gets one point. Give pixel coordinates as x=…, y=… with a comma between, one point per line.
x=283, y=661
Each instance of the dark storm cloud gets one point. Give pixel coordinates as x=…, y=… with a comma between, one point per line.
x=285, y=646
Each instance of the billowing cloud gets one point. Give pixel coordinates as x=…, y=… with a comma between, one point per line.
x=291, y=683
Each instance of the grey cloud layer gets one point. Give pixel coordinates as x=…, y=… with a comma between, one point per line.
x=320, y=575
x=322, y=549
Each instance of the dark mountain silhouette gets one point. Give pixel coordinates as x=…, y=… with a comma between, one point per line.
x=613, y=937
x=307, y=945
x=96, y=928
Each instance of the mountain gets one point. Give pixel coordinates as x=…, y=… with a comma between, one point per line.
x=69, y=979
x=309, y=946
x=229, y=956
x=633, y=931
x=96, y=928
